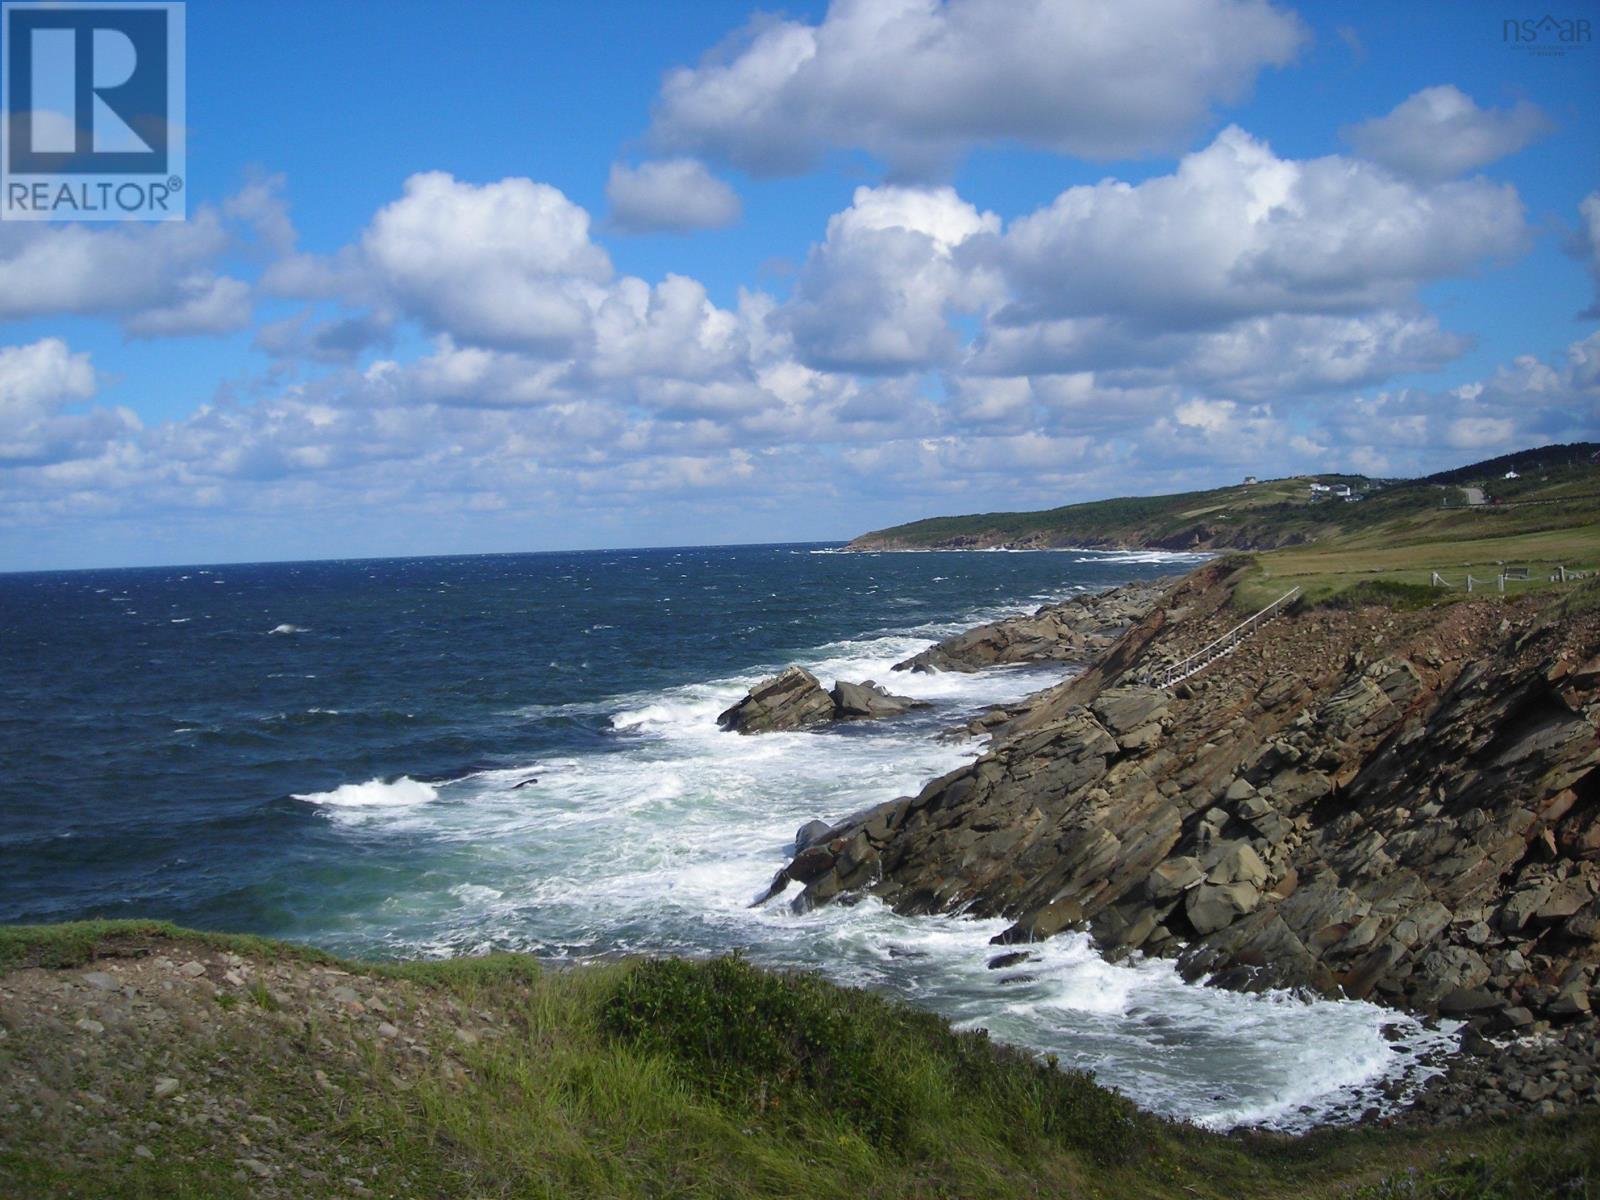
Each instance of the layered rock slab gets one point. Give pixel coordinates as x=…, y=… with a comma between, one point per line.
x=1401, y=806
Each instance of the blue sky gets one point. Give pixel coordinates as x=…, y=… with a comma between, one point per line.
x=537, y=276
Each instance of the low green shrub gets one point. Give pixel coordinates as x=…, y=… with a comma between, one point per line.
x=774, y=1043
x=1567, y=1172
x=1390, y=593
x=758, y=1039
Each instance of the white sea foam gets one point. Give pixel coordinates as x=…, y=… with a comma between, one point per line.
x=475, y=893
x=286, y=629
x=660, y=843
x=375, y=793
x=1143, y=556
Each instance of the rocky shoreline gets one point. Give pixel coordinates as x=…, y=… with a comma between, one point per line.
x=1396, y=806
x=1199, y=536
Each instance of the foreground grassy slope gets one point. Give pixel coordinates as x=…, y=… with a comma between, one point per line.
x=285, y=1072
x=1272, y=513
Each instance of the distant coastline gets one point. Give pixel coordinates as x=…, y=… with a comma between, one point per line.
x=1254, y=515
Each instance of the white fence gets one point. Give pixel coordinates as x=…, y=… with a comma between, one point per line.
x=1509, y=575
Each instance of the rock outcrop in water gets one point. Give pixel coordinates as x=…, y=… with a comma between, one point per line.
x=791, y=700
x=1395, y=805
x=856, y=701
x=795, y=700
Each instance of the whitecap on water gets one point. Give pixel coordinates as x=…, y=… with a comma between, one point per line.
x=374, y=793
x=1142, y=556
x=475, y=893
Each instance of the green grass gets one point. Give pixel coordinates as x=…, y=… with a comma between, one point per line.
x=1502, y=1167
x=75, y=943
x=1278, y=512
x=766, y=1043
x=715, y=1079
x=1396, y=561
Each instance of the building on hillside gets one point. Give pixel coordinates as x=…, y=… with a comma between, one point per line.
x=1512, y=475
x=1249, y=479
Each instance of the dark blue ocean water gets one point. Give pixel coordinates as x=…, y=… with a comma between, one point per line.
x=154, y=726
x=331, y=752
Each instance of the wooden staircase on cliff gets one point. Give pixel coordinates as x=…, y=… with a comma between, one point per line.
x=1224, y=645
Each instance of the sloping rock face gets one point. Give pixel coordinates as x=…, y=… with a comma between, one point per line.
x=791, y=700
x=1401, y=806
x=1073, y=631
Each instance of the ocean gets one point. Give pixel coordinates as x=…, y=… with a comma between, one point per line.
x=435, y=756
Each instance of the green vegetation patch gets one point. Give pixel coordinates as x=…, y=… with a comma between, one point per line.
x=72, y=945
x=780, y=1044
x=1563, y=1162
x=1390, y=593
x=628, y=1081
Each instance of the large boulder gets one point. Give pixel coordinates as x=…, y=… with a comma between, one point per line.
x=1174, y=877
x=856, y=701
x=792, y=700
x=1212, y=906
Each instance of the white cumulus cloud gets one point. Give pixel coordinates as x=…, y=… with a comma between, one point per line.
x=160, y=279
x=878, y=292
x=508, y=263
x=917, y=82
x=1587, y=244
x=1238, y=231
x=1440, y=133
x=38, y=382
x=675, y=195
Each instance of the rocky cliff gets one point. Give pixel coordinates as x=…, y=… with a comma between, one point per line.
x=1074, y=630
x=1367, y=802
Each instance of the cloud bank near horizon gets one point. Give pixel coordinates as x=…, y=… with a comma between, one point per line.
x=473, y=358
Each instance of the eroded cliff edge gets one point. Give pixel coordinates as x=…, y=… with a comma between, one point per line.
x=1366, y=802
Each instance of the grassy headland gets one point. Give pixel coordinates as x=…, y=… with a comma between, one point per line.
x=216, y=1066
x=1400, y=531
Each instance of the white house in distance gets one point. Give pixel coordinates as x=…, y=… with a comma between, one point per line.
x=1512, y=475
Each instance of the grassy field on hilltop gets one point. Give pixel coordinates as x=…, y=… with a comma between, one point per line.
x=1408, y=547
x=705, y=1079
x=1273, y=512
x=1276, y=505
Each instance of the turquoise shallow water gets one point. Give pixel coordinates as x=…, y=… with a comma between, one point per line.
x=331, y=751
